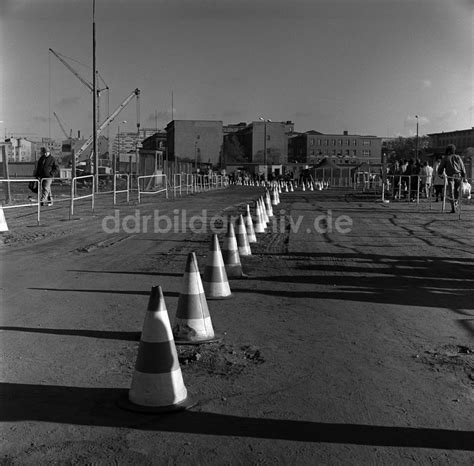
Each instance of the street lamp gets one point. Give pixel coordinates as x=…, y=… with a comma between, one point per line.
x=416, y=154
x=265, y=120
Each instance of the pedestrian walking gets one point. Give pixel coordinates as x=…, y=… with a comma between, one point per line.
x=453, y=168
x=438, y=181
x=426, y=173
x=46, y=169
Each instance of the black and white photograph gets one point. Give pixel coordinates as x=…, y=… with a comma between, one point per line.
x=237, y=232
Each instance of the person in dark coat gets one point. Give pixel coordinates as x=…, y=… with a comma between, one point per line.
x=453, y=168
x=46, y=169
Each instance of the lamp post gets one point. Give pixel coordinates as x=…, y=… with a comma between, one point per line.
x=416, y=153
x=265, y=120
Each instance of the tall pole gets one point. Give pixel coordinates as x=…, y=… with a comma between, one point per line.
x=416, y=154
x=94, y=103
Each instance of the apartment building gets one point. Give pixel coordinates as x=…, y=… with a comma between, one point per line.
x=343, y=149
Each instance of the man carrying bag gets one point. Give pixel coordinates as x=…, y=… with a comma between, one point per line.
x=46, y=169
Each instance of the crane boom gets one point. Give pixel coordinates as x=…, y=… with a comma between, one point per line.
x=61, y=125
x=109, y=120
x=72, y=70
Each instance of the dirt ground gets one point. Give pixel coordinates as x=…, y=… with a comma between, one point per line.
x=351, y=347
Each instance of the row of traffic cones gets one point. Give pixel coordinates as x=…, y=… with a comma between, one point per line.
x=157, y=383
x=289, y=186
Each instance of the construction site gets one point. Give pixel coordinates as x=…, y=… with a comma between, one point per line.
x=269, y=324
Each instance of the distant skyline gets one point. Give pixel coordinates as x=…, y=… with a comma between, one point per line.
x=362, y=66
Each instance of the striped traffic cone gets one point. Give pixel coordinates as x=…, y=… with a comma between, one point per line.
x=259, y=226
x=215, y=282
x=273, y=197
x=266, y=220
x=230, y=254
x=249, y=227
x=241, y=236
x=157, y=383
x=192, y=324
x=268, y=208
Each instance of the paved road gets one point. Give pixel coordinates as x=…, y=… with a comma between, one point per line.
x=350, y=342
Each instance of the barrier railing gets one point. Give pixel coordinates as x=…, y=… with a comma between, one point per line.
x=160, y=181
x=118, y=176
x=29, y=204
x=86, y=196
x=177, y=184
x=454, y=191
x=415, y=187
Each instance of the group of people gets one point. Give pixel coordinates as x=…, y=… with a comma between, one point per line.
x=416, y=177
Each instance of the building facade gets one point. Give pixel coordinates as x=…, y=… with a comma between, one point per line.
x=195, y=141
x=259, y=142
x=343, y=149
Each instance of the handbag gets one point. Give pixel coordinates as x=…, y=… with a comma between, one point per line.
x=33, y=186
x=466, y=189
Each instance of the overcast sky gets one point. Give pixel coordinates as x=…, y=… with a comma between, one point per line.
x=365, y=66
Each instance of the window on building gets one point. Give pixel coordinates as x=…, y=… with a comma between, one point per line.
x=354, y=142
x=366, y=153
x=333, y=142
x=311, y=142
x=366, y=142
x=319, y=142
x=347, y=141
x=354, y=153
x=346, y=153
x=333, y=153
x=325, y=142
x=339, y=142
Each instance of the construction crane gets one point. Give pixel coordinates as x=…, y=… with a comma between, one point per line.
x=110, y=118
x=62, y=127
x=86, y=83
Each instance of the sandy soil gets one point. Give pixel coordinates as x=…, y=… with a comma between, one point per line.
x=339, y=348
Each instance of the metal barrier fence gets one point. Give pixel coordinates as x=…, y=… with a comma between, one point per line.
x=30, y=204
x=177, y=184
x=189, y=182
x=411, y=188
x=117, y=191
x=111, y=182
x=154, y=180
x=76, y=198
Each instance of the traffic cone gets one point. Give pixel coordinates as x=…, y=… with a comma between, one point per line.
x=157, y=383
x=278, y=197
x=264, y=212
x=286, y=187
x=291, y=188
x=273, y=197
x=303, y=188
x=230, y=254
x=193, y=323
x=311, y=186
x=242, y=239
x=259, y=226
x=215, y=282
x=268, y=208
x=249, y=227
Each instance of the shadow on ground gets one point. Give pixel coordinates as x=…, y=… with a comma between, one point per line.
x=98, y=407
